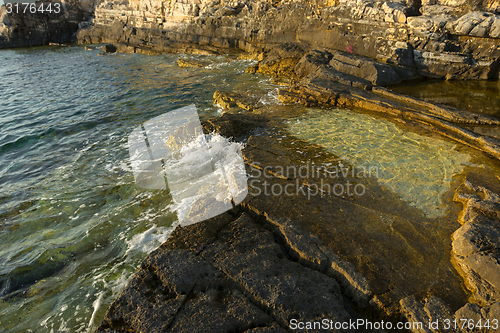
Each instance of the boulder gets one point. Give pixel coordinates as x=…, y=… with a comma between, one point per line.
x=229, y=100
x=474, y=24
x=495, y=28
x=282, y=59
x=375, y=72
x=312, y=60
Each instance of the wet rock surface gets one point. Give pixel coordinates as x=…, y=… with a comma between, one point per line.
x=192, y=63
x=476, y=245
x=333, y=78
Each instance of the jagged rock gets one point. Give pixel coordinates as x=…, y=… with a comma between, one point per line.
x=24, y=28
x=322, y=77
x=456, y=64
x=282, y=59
x=475, y=24
x=473, y=312
x=495, y=28
x=365, y=28
x=223, y=275
x=437, y=10
x=429, y=23
x=436, y=317
x=476, y=245
x=375, y=72
x=394, y=12
x=432, y=310
x=230, y=100
x=311, y=61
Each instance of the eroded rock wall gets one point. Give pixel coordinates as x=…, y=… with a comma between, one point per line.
x=22, y=28
x=448, y=38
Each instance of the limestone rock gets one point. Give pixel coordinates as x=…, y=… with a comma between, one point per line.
x=437, y=10
x=495, y=28
x=480, y=21
x=491, y=6
x=476, y=245
x=282, y=59
x=230, y=100
x=365, y=28
x=431, y=310
x=474, y=312
x=23, y=28
x=223, y=275
x=371, y=70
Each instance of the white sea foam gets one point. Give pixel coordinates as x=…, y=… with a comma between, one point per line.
x=211, y=180
x=96, y=304
x=149, y=240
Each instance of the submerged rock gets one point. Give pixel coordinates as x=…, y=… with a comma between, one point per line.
x=192, y=63
x=230, y=100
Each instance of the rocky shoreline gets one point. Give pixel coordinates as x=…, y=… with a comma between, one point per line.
x=451, y=39
x=391, y=277
x=275, y=260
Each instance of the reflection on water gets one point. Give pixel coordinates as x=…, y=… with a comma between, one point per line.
x=474, y=96
x=418, y=168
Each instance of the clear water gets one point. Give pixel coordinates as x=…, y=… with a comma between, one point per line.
x=418, y=168
x=73, y=225
x=474, y=96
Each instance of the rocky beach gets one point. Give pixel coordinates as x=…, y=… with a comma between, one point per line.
x=398, y=255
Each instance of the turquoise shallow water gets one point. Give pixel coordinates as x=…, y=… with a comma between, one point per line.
x=73, y=225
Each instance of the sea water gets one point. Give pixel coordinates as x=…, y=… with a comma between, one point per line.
x=74, y=226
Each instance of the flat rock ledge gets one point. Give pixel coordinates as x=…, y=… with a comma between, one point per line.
x=326, y=77
x=228, y=274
